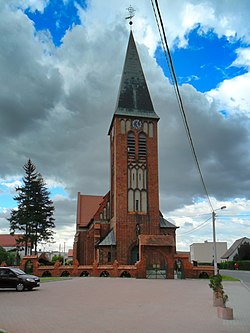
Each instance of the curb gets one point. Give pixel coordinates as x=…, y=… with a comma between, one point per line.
x=244, y=285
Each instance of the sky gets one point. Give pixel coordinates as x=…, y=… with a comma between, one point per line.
x=61, y=63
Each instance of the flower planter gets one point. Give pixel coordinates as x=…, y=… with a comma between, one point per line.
x=225, y=313
x=217, y=299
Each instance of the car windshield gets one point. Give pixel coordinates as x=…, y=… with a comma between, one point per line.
x=17, y=271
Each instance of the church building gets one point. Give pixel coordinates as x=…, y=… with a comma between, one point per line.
x=126, y=224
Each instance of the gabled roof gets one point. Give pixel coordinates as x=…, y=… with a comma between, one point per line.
x=165, y=223
x=86, y=208
x=134, y=98
x=234, y=247
x=7, y=240
x=109, y=239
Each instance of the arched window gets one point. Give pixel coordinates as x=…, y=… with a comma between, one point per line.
x=131, y=145
x=122, y=126
x=137, y=201
x=144, y=201
x=142, y=145
x=130, y=200
x=151, y=130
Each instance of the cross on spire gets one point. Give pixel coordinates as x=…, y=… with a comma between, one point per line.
x=131, y=12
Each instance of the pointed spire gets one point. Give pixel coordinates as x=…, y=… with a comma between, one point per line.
x=134, y=98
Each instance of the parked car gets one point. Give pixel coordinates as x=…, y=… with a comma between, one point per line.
x=16, y=278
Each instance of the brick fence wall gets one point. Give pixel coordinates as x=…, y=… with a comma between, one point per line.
x=30, y=264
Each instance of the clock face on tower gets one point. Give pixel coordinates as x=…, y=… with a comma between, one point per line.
x=137, y=124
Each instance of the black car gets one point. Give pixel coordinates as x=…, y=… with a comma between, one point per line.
x=16, y=278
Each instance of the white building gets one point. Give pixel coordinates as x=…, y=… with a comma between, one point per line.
x=204, y=252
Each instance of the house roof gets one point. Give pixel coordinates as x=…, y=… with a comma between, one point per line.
x=7, y=240
x=234, y=247
x=109, y=239
x=87, y=207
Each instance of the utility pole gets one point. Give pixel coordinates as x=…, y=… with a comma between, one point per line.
x=215, y=249
x=214, y=240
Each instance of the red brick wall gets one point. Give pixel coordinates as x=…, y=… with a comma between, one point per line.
x=124, y=222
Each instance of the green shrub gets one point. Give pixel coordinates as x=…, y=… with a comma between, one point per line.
x=244, y=265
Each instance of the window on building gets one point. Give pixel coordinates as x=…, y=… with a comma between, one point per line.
x=142, y=146
x=122, y=125
x=131, y=145
x=109, y=256
x=151, y=130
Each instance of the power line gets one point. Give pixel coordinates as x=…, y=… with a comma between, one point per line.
x=196, y=228
x=177, y=92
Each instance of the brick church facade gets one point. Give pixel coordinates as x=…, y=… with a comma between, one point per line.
x=126, y=224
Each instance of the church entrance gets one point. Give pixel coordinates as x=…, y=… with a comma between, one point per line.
x=156, y=265
x=134, y=255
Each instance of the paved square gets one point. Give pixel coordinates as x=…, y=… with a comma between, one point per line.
x=110, y=305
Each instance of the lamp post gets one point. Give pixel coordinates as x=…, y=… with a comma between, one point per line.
x=214, y=240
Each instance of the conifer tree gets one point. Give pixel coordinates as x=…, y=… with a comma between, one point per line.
x=33, y=217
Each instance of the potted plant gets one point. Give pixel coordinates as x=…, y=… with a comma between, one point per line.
x=217, y=287
x=223, y=311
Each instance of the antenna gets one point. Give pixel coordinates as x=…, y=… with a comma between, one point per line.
x=131, y=12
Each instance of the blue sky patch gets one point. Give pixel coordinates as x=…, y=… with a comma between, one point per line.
x=205, y=62
x=57, y=191
x=57, y=18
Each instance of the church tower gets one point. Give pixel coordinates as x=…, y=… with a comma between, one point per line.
x=126, y=224
x=134, y=195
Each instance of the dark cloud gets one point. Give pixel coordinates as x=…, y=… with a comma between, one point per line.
x=56, y=106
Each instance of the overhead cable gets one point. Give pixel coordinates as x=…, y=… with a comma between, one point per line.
x=168, y=57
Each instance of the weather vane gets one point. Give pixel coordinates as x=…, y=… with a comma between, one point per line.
x=131, y=12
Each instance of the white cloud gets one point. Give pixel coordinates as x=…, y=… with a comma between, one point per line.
x=33, y=5
x=243, y=58
x=233, y=95
x=56, y=105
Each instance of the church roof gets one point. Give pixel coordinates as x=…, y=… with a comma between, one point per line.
x=166, y=224
x=87, y=207
x=109, y=239
x=134, y=98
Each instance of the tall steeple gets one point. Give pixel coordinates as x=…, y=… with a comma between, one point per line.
x=134, y=98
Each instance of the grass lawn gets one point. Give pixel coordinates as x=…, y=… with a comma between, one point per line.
x=45, y=279
x=228, y=278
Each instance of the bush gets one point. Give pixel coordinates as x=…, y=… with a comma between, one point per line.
x=244, y=265
x=216, y=283
x=57, y=258
x=10, y=258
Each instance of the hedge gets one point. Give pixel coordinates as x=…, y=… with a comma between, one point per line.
x=244, y=265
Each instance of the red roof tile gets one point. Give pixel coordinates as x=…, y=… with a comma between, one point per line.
x=86, y=208
x=8, y=240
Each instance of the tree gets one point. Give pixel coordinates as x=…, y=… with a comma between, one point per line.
x=57, y=258
x=9, y=257
x=3, y=255
x=244, y=251
x=34, y=214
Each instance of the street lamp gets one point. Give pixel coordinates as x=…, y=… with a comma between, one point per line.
x=214, y=240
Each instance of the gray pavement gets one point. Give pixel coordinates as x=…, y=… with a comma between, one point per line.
x=109, y=305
